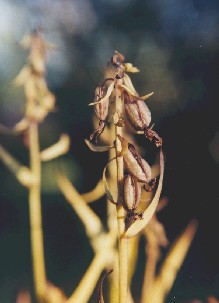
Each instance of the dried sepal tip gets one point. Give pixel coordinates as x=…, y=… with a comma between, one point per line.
x=97, y=148
x=129, y=68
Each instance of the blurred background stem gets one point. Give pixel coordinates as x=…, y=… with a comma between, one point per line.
x=37, y=246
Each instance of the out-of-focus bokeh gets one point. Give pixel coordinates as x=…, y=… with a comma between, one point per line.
x=175, y=44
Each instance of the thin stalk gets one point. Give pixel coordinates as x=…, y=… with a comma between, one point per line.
x=86, y=286
x=150, y=269
x=123, y=243
x=37, y=247
x=112, y=222
x=9, y=161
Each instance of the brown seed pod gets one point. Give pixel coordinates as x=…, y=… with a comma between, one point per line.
x=101, y=108
x=131, y=193
x=135, y=165
x=137, y=111
x=139, y=116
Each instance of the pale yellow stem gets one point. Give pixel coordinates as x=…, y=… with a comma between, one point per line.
x=173, y=263
x=91, y=221
x=132, y=256
x=22, y=173
x=95, y=194
x=9, y=161
x=90, y=279
x=112, y=223
x=152, y=254
x=123, y=242
x=37, y=246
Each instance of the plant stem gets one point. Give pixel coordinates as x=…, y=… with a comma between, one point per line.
x=86, y=286
x=39, y=274
x=123, y=243
x=112, y=221
x=152, y=249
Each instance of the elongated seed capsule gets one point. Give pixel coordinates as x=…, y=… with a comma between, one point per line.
x=134, y=164
x=137, y=112
x=101, y=109
x=131, y=193
x=139, y=116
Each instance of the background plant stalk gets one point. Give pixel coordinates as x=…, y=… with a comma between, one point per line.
x=37, y=246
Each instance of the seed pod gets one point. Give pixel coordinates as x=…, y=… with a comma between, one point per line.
x=137, y=112
x=101, y=108
x=136, y=165
x=131, y=193
x=139, y=116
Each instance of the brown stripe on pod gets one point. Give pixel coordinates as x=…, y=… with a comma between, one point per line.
x=136, y=165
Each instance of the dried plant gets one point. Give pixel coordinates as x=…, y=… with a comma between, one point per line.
x=131, y=185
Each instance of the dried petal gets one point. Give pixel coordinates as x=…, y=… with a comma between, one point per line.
x=152, y=135
x=130, y=68
x=108, y=93
x=117, y=59
x=146, y=96
x=98, y=131
x=128, y=83
x=107, y=190
x=97, y=148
